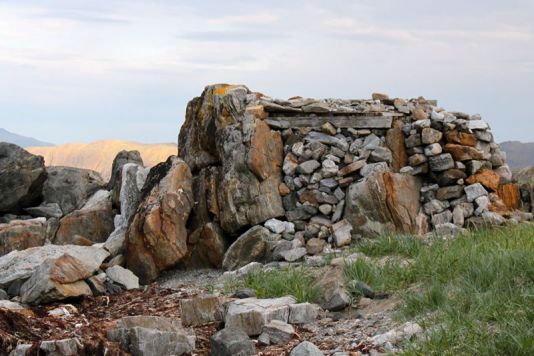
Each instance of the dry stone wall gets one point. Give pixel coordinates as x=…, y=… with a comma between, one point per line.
x=318, y=173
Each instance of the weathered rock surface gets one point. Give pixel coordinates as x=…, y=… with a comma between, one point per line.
x=22, y=175
x=70, y=187
x=22, y=234
x=201, y=310
x=20, y=265
x=251, y=314
x=252, y=246
x=157, y=236
x=94, y=221
x=231, y=342
x=123, y=277
x=306, y=348
x=219, y=130
x=276, y=332
x=152, y=335
x=56, y=279
x=115, y=182
x=334, y=296
x=383, y=202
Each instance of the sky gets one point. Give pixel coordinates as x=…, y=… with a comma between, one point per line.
x=80, y=71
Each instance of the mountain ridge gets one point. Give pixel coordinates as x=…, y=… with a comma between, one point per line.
x=20, y=140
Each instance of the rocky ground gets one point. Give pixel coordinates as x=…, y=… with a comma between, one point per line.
x=88, y=320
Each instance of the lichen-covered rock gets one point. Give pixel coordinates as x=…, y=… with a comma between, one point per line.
x=22, y=234
x=22, y=176
x=157, y=236
x=219, y=130
x=383, y=202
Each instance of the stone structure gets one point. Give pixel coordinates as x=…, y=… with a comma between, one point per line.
x=382, y=165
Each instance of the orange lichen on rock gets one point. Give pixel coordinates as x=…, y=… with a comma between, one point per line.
x=510, y=195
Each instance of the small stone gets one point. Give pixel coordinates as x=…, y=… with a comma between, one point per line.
x=200, y=310
x=417, y=159
x=325, y=209
x=450, y=192
x=329, y=169
x=422, y=124
x=315, y=246
x=283, y=189
x=328, y=128
x=351, y=168
x=441, y=162
x=413, y=140
x=123, y=276
x=290, y=165
x=303, y=313
x=380, y=96
x=474, y=191
x=435, y=206
x=381, y=154
x=297, y=149
x=433, y=149
x=231, y=341
x=306, y=348
x=430, y=135
x=276, y=332
x=420, y=115
x=341, y=232
x=293, y=254
x=275, y=225
x=244, y=293
x=308, y=167
x=442, y=218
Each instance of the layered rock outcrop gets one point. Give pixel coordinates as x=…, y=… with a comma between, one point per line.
x=157, y=235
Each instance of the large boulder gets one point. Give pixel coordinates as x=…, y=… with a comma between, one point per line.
x=22, y=234
x=20, y=265
x=22, y=176
x=56, y=279
x=253, y=246
x=93, y=222
x=383, y=202
x=115, y=182
x=220, y=131
x=157, y=236
x=70, y=187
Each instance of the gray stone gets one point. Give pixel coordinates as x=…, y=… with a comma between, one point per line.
x=442, y=218
x=133, y=179
x=308, y=167
x=249, y=247
x=371, y=168
x=56, y=279
x=435, y=206
x=22, y=175
x=306, y=348
x=275, y=225
x=381, y=154
x=47, y=210
x=231, y=342
x=123, y=276
x=430, y=136
x=20, y=265
x=433, y=149
x=294, y=254
x=327, y=139
x=3, y=295
x=341, y=232
x=152, y=335
x=70, y=187
x=65, y=347
x=441, y=162
x=482, y=203
x=448, y=229
x=251, y=314
x=200, y=310
x=329, y=169
x=115, y=182
x=474, y=191
x=303, y=313
x=276, y=332
x=334, y=295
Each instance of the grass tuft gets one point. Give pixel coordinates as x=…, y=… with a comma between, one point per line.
x=278, y=283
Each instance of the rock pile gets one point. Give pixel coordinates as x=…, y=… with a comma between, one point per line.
x=319, y=173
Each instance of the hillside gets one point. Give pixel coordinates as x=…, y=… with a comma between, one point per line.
x=519, y=154
x=19, y=140
x=99, y=155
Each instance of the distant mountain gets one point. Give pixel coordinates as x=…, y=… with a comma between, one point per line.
x=519, y=154
x=99, y=155
x=22, y=141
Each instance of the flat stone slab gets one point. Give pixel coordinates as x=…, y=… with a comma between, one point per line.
x=251, y=314
x=361, y=121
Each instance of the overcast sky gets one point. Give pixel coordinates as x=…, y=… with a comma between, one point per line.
x=87, y=70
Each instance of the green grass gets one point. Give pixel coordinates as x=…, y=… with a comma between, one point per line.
x=475, y=292
x=278, y=283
